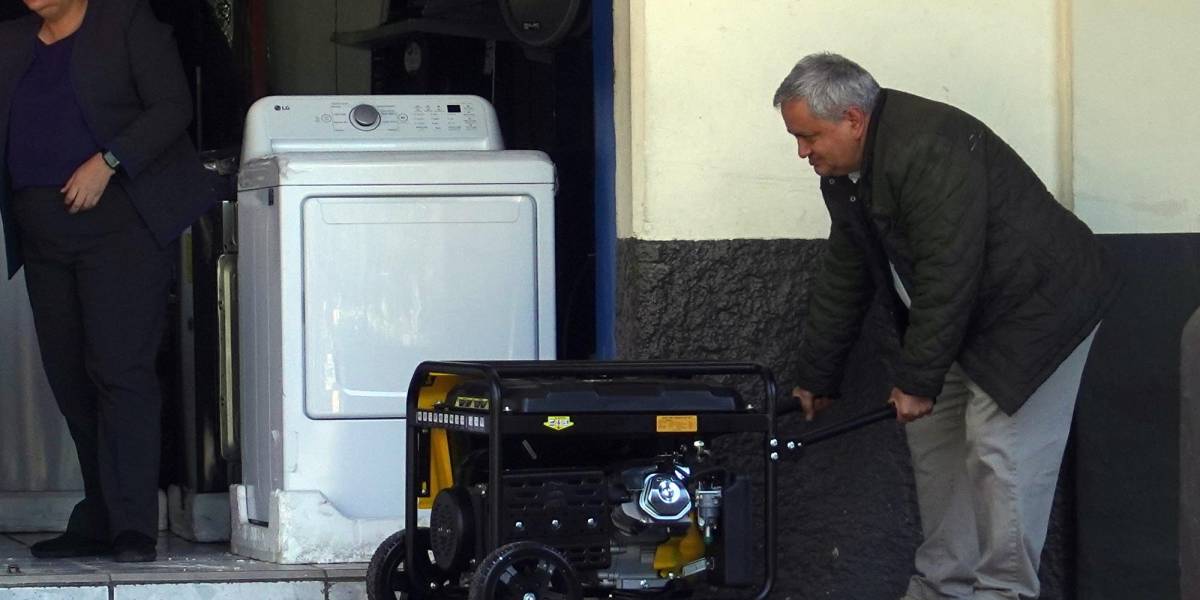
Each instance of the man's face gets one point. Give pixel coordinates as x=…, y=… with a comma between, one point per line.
x=832, y=147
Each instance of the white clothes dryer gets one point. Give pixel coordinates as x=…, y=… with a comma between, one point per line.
x=374, y=232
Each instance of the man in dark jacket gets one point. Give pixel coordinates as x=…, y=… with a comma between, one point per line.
x=997, y=292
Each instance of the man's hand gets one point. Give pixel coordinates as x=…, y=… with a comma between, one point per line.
x=86, y=185
x=909, y=408
x=810, y=404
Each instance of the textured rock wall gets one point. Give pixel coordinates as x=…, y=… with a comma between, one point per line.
x=848, y=519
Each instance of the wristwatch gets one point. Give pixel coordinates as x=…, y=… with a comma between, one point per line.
x=110, y=159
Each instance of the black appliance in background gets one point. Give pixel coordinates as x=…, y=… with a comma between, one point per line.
x=197, y=455
x=532, y=59
x=545, y=23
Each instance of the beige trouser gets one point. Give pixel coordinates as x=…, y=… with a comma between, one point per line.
x=985, y=484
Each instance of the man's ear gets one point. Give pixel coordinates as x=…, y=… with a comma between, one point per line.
x=858, y=121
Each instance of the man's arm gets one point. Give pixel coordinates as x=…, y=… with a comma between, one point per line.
x=943, y=214
x=836, y=309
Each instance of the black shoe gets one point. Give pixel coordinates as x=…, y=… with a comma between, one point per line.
x=131, y=546
x=69, y=545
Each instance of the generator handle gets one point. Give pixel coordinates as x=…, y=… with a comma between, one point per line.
x=882, y=413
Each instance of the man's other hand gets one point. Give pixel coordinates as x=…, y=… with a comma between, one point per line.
x=909, y=408
x=810, y=404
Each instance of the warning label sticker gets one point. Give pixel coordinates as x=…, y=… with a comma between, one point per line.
x=677, y=423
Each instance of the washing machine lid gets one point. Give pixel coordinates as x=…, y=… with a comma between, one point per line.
x=397, y=168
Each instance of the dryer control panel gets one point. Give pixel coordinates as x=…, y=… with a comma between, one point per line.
x=278, y=124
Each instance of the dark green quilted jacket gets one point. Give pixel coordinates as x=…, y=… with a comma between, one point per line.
x=1002, y=278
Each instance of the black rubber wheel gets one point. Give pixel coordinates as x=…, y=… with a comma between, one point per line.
x=514, y=571
x=389, y=578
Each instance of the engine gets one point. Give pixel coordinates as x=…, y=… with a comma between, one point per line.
x=640, y=526
x=655, y=536
x=528, y=468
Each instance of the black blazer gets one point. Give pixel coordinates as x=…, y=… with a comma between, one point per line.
x=131, y=88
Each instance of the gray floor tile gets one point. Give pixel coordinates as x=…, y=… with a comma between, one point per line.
x=27, y=539
x=296, y=590
x=176, y=576
x=54, y=593
x=348, y=591
x=10, y=548
x=45, y=579
x=27, y=565
x=183, y=569
x=354, y=571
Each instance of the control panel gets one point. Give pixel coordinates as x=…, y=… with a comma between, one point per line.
x=279, y=124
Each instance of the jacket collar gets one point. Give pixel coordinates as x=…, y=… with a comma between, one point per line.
x=872, y=131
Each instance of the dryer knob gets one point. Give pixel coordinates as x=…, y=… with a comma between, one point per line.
x=364, y=116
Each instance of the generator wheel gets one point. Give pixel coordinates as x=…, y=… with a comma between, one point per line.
x=525, y=570
x=389, y=578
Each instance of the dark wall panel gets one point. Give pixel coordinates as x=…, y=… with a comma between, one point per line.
x=1189, y=459
x=1127, y=424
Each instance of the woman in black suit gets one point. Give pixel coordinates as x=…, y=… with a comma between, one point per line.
x=98, y=179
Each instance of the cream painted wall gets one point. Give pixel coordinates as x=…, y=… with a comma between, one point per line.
x=1137, y=130
x=701, y=152
x=628, y=74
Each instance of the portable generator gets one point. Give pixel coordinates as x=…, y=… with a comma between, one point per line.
x=566, y=480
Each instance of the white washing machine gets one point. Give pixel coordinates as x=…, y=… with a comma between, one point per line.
x=374, y=232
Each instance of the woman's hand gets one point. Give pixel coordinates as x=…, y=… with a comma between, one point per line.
x=87, y=184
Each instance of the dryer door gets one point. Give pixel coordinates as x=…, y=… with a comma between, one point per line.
x=392, y=281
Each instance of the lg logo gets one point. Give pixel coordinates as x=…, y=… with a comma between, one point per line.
x=282, y=107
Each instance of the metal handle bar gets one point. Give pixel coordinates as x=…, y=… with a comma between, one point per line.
x=882, y=413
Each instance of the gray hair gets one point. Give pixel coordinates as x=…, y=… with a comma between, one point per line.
x=831, y=84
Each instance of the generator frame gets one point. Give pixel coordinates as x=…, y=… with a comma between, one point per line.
x=755, y=417
x=758, y=418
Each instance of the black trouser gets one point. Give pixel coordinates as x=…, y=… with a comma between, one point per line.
x=98, y=285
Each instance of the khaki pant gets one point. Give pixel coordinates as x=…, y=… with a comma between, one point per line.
x=985, y=485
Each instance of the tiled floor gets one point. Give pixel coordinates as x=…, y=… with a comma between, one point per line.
x=184, y=571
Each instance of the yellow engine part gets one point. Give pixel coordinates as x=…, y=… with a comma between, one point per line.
x=678, y=551
x=436, y=390
x=441, y=472
x=441, y=475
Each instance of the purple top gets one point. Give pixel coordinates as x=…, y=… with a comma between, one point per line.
x=48, y=137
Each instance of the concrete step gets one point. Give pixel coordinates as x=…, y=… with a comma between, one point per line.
x=184, y=571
